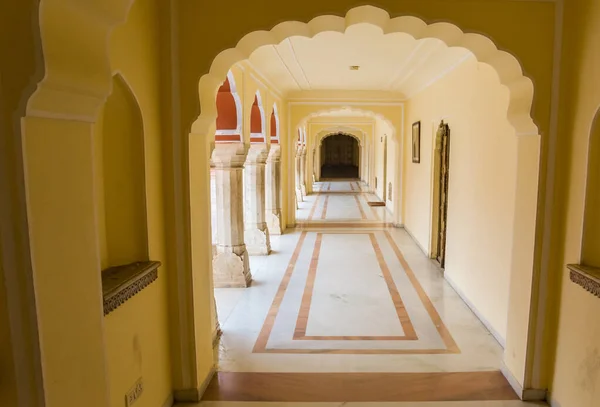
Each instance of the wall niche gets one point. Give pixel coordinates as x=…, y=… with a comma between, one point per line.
x=121, y=198
x=587, y=273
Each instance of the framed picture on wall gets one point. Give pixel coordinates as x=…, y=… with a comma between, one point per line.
x=416, y=142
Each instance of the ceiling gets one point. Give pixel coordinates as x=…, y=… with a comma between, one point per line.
x=389, y=62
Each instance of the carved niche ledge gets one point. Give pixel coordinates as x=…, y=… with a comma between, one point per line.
x=120, y=283
x=587, y=277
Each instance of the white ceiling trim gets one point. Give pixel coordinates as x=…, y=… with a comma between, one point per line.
x=441, y=75
x=287, y=68
x=406, y=63
x=289, y=40
x=261, y=79
x=419, y=64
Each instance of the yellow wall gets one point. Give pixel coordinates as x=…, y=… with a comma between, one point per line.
x=482, y=184
x=8, y=389
x=137, y=333
x=575, y=379
x=590, y=252
x=121, y=182
x=19, y=72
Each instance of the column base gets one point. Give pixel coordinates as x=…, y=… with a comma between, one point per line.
x=257, y=241
x=303, y=190
x=231, y=270
x=274, y=221
x=299, y=195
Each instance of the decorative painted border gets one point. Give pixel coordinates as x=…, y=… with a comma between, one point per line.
x=260, y=345
x=587, y=277
x=403, y=317
x=121, y=283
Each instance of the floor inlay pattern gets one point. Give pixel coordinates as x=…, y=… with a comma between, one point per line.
x=300, y=331
x=344, y=291
x=446, y=346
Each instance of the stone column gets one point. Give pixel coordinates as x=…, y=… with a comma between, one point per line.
x=230, y=264
x=303, y=170
x=256, y=234
x=273, y=193
x=299, y=195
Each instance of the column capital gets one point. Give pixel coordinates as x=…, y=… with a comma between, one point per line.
x=274, y=153
x=258, y=153
x=230, y=155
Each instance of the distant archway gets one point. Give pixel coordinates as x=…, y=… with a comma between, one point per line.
x=340, y=156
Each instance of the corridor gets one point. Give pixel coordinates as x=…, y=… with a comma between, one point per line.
x=344, y=292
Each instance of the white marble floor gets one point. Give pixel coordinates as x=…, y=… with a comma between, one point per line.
x=357, y=298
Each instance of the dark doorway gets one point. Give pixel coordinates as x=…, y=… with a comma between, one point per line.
x=340, y=155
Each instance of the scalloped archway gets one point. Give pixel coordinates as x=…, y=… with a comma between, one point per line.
x=506, y=65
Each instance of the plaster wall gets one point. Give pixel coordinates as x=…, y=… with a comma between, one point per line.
x=574, y=323
x=8, y=386
x=137, y=333
x=482, y=184
x=19, y=71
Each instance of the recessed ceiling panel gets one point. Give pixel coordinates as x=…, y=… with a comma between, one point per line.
x=362, y=58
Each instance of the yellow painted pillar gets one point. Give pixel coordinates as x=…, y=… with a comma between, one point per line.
x=59, y=177
x=198, y=305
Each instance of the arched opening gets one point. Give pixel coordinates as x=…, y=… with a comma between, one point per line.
x=590, y=248
x=340, y=156
x=121, y=188
x=257, y=133
x=229, y=112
